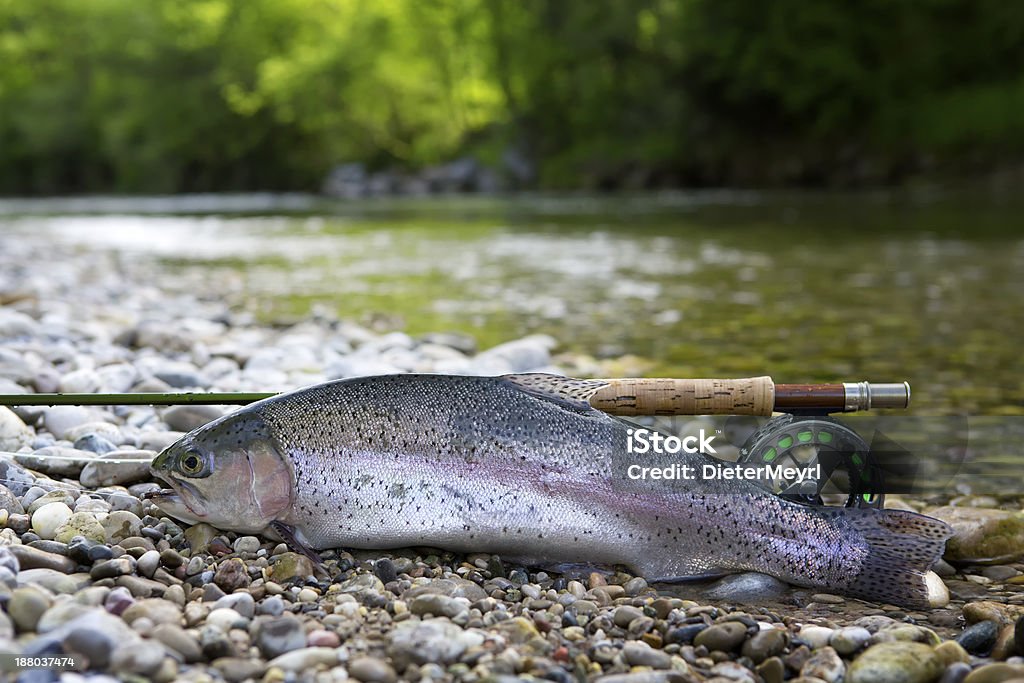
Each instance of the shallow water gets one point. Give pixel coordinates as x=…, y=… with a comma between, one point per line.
x=804, y=288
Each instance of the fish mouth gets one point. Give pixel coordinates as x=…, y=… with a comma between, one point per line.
x=183, y=501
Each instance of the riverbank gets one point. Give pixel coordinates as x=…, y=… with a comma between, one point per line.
x=88, y=566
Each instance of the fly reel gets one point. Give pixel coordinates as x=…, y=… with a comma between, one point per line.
x=794, y=441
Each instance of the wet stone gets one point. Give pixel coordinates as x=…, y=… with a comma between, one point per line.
x=979, y=638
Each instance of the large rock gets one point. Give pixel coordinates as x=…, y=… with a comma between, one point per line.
x=982, y=535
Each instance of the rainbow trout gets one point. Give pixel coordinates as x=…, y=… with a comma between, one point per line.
x=523, y=466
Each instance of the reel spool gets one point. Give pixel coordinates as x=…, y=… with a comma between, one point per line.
x=801, y=441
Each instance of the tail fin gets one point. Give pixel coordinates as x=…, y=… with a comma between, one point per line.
x=901, y=548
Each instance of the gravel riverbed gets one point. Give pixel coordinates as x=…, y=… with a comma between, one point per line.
x=90, y=568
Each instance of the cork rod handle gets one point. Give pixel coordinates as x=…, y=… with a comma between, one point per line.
x=665, y=396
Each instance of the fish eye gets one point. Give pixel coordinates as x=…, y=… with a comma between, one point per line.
x=191, y=463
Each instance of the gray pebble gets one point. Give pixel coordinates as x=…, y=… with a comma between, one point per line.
x=148, y=563
x=638, y=653
x=279, y=635
x=100, y=472
x=849, y=639
x=179, y=640
x=246, y=544
x=185, y=418
x=979, y=638
x=273, y=606
x=112, y=568
x=438, y=605
x=242, y=603
x=94, y=443
x=10, y=502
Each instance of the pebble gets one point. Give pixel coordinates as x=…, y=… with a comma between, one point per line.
x=185, y=418
x=995, y=673
x=979, y=638
x=825, y=664
x=102, y=472
x=155, y=610
x=950, y=652
x=231, y=575
x=26, y=606
x=726, y=636
x=246, y=544
x=121, y=524
x=242, y=603
x=895, y=662
x=625, y=614
x=82, y=524
x=112, y=568
x=49, y=517
x=273, y=606
x=637, y=653
x=34, y=558
x=765, y=644
x=305, y=659
x=118, y=600
x=816, y=637
x=279, y=635
x=179, y=640
x=849, y=639
x=225, y=619
x=428, y=641
x=289, y=566
x=14, y=434
x=372, y=670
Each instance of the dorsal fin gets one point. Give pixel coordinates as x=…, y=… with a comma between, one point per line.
x=567, y=391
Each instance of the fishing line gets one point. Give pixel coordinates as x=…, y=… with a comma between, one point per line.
x=70, y=488
x=47, y=456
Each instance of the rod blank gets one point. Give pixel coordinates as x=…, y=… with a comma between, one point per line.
x=630, y=396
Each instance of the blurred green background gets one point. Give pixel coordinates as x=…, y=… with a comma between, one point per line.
x=223, y=95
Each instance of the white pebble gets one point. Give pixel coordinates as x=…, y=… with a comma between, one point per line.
x=816, y=636
x=223, y=618
x=46, y=519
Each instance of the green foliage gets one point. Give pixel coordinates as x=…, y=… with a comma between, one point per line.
x=202, y=95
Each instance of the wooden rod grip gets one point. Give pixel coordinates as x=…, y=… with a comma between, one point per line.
x=665, y=396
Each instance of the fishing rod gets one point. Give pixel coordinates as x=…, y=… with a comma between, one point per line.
x=626, y=397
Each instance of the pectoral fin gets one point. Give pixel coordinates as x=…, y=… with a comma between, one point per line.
x=289, y=536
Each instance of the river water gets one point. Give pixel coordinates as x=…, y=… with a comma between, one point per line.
x=804, y=288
